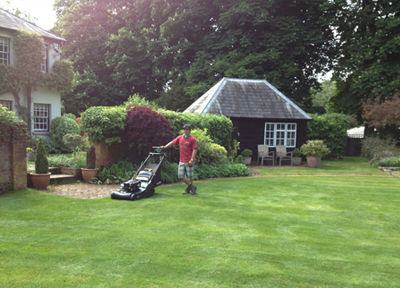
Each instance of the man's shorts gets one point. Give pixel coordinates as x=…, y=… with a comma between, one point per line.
x=185, y=171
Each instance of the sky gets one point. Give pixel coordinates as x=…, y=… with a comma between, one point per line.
x=40, y=11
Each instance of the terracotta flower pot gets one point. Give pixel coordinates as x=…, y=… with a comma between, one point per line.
x=313, y=161
x=88, y=174
x=40, y=181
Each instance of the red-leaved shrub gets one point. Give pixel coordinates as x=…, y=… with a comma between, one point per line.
x=145, y=128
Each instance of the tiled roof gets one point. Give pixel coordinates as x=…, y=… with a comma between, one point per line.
x=246, y=98
x=11, y=22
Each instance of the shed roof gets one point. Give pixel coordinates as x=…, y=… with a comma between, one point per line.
x=246, y=98
x=12, y=22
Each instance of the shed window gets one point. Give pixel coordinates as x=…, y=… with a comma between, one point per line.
x=6, y=104
x=4, y=51
x=280, y=134
x=41, y=117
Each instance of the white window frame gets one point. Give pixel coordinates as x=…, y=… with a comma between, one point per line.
x=41, y=117
x=7, y=104
x=280, y=133
x=4, y=51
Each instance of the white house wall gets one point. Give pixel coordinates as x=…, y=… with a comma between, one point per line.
x=46, y=96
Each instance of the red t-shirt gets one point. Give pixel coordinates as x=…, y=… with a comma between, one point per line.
x=186, y=147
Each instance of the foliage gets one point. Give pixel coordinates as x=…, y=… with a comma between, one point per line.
x=297, y=152
x=374, y=148
x=144, y=128
x=104, y=123
x=41, y=161
x=384, y=115
x=389, y=162
x=74, y=141
x=91, y=158
x=332, y=129
x=118, y=172
x=169, y=172
x=219, y=127
x=61, y=126
x=61, y=78
x=221, y=170
x=207, y=151
x=368, y=63
x=139, y=101
x=247, y=152
x=9, y=120
x=315, y=148
x=178, y=49
x=321, y=97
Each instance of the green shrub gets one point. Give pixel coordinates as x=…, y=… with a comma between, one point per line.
x=104, y=123
x=219, y=127
x=315, y=148
x=332, y=129
x=247, y=153
x=169, y=172
x=373, y=148
x=389, y=162
x=74, y=142
x=61, y=126
x=207, y=151
x=8, y=120
x=41, y=162
x=297, y=152
x=70, y=115
x=118, y=172
x=139, y=101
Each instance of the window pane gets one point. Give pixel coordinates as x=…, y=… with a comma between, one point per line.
x=4, y=50
x=41, y=117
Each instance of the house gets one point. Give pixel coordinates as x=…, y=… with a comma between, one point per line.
x=259, y=112
x=46, y=103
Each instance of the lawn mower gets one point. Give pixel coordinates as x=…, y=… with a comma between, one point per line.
x=146, y=178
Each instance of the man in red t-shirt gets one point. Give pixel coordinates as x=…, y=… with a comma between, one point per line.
x=187, y=148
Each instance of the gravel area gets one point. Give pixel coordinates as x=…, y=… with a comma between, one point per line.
x=82, y=190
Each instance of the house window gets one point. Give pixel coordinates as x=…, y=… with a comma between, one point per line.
x=41, y=117
x=6, y=104
x=4, y=51
x=280, y=134
x=45, y=62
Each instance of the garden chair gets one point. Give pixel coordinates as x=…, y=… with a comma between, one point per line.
x=283, y=155
x=265, y=154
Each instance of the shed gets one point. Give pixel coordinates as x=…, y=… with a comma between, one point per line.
x=260, y=113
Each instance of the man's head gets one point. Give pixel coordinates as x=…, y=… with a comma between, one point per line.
x=186, y=129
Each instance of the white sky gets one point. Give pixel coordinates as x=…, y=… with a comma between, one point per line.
x=41, y=11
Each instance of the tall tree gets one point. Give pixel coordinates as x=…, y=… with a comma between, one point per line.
x=177, y=49
x=368, y=66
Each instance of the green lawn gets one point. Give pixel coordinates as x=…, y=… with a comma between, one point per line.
x=341, y=231
x=347, y=166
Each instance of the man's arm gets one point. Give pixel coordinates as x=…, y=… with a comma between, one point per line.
x=168, y=145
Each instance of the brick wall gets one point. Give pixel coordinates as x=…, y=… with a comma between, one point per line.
x=12, y=159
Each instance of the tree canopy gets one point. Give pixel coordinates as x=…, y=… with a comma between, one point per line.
x=173, y=51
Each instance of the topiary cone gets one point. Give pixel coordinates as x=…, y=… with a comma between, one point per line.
x=41, y=162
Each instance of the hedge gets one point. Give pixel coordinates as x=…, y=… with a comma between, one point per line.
x=332, y=129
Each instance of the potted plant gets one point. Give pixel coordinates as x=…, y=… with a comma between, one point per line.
x=41, y=178
x=90, y=171
x=247, y=153
x=314, y=150
x=296, y=160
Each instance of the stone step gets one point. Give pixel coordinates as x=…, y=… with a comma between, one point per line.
x=59, y=178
